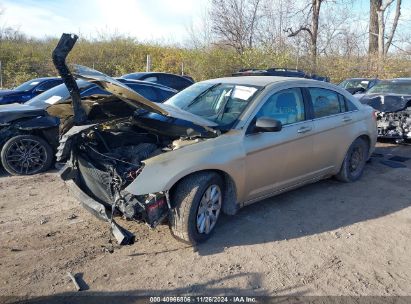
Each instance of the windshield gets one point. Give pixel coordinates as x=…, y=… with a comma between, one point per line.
x=27, y=86
x=57, y=94
x=393, y=87
x=221, y=103
x=354, y=83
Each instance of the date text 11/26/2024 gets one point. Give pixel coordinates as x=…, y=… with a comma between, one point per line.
x=201, y=299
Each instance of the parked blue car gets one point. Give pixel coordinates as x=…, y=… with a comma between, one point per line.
x=28, y=90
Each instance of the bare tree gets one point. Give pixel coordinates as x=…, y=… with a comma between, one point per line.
x=339, y=32
x=275, y=17
x=234, y=22
x=383, y=48
x=373, y=26
x=310, y=27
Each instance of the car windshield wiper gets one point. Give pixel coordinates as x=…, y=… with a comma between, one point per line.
x=195, y=100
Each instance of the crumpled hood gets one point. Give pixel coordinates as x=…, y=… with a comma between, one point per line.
x=11, y=112
x=387, y=102
x=126, y=94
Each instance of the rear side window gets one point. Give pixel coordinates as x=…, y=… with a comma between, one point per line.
x=151, y=79
x=48, y=85
x=326, y=102
x=174, y=82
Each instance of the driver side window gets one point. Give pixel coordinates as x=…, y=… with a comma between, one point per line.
x=286, y=106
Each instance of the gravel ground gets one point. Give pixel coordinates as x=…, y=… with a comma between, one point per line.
x=328, y=238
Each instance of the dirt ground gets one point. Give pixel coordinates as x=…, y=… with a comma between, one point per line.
x=328, y=238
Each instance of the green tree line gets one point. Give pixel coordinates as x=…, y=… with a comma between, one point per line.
x=23, y=59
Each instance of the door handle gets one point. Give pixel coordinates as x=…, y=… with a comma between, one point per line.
x=346, y=118
x=304, y=129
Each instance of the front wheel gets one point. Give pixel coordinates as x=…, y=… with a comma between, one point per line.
x=354, y=161
x=197, y=201
x=26, y=155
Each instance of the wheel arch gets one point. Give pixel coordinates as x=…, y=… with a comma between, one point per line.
x=363, y=136
x=230, y=205
x=367, y=139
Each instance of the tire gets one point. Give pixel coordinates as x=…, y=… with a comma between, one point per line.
x=26, y=155
x=194, y=204
x=354, y=161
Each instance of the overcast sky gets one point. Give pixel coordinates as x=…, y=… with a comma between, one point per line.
x=160, y=20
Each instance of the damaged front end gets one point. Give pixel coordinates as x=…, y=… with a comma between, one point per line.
x=393, y=115
x=103, y=162
x=395, y=125
x=103, y=159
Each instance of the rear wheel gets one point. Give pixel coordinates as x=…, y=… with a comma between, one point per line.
x=26, y=155
x=197, y=203
x=354, y=161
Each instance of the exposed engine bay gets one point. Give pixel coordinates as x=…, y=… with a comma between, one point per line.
x=108, y=157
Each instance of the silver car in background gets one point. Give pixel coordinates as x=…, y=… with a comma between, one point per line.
x=215, y=147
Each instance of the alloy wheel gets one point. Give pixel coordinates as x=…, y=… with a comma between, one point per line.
x=209, y=209
x=26, y=156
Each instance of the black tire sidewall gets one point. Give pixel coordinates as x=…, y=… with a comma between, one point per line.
x=359, y=142
x=186, y=198
x=9, y=142
x=192, y=219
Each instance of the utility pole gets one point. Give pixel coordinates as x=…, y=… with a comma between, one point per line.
x=1, y=76
x=182, y=68
x=148, y=64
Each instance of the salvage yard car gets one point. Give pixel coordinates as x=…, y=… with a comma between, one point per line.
x=174, y=81
x=213, y=148
x=29, y=132
x=392, y=100
x=28, y=90
x=358, y=85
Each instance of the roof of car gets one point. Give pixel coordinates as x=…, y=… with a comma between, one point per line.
x=147, y=83
x=151, y=73
x=259, y=80
x=404, y=80
x=401, y=79
x=360, y=78
x=45, y=78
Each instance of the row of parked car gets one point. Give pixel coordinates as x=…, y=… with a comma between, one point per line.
x=36, y=113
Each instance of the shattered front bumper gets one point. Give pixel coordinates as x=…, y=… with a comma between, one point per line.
x=123, y=236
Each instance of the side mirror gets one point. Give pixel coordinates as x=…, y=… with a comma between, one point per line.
x=266, y=124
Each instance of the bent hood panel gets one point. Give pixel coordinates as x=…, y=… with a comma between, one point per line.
x=136, y=100
x=117, y=88
x=387, y=103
